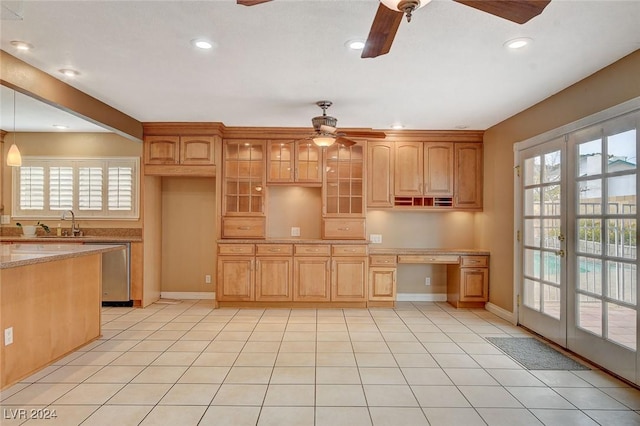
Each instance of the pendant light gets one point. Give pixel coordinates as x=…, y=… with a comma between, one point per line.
x=14, y=159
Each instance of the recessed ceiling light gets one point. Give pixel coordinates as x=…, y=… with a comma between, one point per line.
x=201, y=43
x=462, y=126
x=518, y=43
x=355, y=44
x=397, y=126
x=69, y=72
x=60, y=126
x=21, y=45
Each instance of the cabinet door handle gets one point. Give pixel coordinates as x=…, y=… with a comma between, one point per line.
x=343, y=229
x=350, y=250
x=274, y=249
x=244, y=228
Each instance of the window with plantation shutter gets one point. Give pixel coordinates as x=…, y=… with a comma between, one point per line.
x=120, y=188
x=90, y=188
x=94, y=188
x=61, y=188
x=31, y=191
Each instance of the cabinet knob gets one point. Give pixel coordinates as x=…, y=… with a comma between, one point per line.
x=343, y=229
x=274, y=249
x=244, y=228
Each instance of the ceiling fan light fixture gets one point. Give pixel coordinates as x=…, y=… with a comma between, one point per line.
x=324, y=140
x=405, y=6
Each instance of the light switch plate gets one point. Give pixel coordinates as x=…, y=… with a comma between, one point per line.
x=375, y=238
x=295, y=231
x=5, y=219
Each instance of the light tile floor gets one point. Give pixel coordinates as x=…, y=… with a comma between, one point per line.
x=418, y=364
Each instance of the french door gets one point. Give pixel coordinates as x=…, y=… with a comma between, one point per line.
x=543, y=237
x=577, y=265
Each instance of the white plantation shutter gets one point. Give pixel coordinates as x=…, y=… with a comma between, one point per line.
x=98, y=188
x=60, y=188
x=90, y=188
x=31, y=188
x=120, y=188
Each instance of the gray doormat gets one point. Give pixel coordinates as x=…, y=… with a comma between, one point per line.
x=534, y=354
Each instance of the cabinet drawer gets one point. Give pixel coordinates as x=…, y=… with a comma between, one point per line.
x=382, y=260
x=343, y=229
x=349, y=250
x=243, y=227
x=438, y=258
x=236, y=249
x=474, y=261
x=274, y=249
x=312, y=250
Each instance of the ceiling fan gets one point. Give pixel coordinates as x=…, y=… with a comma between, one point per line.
x=326, y=133
x=390, y=13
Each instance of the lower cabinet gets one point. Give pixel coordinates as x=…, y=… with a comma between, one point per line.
x=313, y=273
x=236, y=278
x=274, y=272
x=468, y=283
x=349, y=273
x=382, y=278
x=312, y=279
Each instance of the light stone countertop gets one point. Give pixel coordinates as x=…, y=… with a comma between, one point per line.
x=427, y=251
x=69, y=240
x=291, y=241
x=15, y=255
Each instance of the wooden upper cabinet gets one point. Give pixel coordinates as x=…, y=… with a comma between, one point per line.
x=244, y=178
x=343, y=191
x=409, y=165
x=380, y=174
x=188, y=150
x=438, y=169
x=162, y=150
x=294, y=162
x=469, y=175
x=197, y=150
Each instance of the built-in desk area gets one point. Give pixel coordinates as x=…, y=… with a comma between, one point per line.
x=467, y=274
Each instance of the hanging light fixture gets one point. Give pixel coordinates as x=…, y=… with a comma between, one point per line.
x=405, y=6
x=324, y=140
x=14, y=159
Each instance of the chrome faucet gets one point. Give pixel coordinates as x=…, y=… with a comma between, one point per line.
x=75, y=229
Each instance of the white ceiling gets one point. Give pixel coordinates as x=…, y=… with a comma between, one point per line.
x=447, y=68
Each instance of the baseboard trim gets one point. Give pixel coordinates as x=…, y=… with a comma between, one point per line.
x=187, y=295
x=421, y=297
x=501, y=312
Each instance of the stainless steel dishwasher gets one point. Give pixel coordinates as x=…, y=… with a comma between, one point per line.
x=116, y=276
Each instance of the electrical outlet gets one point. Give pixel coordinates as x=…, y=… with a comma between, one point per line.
x=8, y=336
x=5, y=219
x=295, y=231
x=207, y=279
x=375, y=238
x=427, y=281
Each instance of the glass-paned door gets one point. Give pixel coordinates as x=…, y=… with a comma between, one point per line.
x=577, y=268
x=542, y=272
x=603, y=299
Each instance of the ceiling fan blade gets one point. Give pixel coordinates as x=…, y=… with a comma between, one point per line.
x=251, y=2
x=345, y=142
x=518, y=11
x=328, y=129
x=383, y=30
x=366, y=134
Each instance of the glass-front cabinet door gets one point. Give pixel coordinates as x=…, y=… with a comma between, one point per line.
x=290, y=161
x=244, y=177
x=344, y=180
